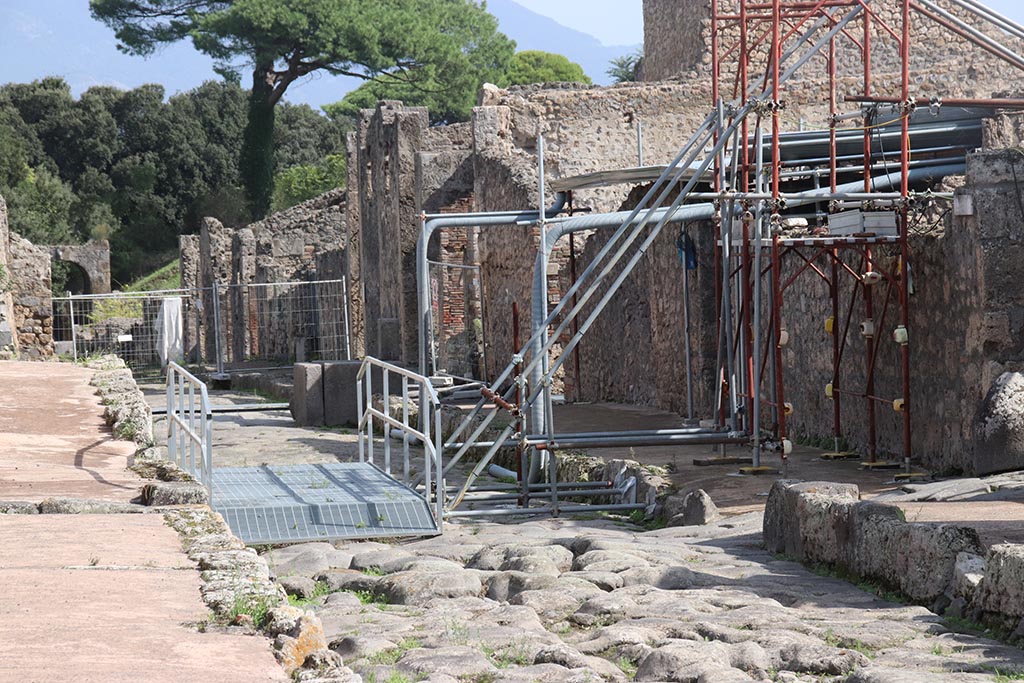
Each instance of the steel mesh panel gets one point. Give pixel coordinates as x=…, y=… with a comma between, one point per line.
x=289, y=503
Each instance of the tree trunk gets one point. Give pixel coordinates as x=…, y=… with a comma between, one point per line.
x=257, y=160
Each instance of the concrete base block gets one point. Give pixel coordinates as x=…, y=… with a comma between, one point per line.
x=308, y=398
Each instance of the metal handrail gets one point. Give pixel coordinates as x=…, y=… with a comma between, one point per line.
x=190, y=425
x=428, y=432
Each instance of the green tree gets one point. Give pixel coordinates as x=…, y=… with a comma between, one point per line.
x=299, y=183
x=444, y=44
x=626, y=68
x=13, y=153
x=535, y=66
x=40, y=207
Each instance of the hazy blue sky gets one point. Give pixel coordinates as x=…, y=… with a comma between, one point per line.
x=58, y=37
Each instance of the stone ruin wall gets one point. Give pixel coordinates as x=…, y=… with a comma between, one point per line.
x=8, y=334
x=586, y=129
x=950, y=320
x=288, y=246
x=94, y=260
x=32, y=299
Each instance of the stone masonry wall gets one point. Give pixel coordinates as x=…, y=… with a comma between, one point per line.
x=8, y=335
x=288, y=246
x=33, y=307
x=674, y=32
x=585, y=129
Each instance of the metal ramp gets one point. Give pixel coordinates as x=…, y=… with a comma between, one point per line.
x=292, y=503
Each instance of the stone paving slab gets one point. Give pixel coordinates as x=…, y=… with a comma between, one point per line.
x=53, y=440
x=95, y=598
x=111, y=598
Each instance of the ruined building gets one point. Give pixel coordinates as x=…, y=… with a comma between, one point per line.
x=965, y=315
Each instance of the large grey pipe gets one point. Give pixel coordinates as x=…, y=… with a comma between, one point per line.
x=432, y=223
x=689, y=212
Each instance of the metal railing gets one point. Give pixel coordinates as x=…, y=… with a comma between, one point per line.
x=189, y=425
x=415, y=390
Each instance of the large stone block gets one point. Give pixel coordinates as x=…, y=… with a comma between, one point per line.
x=1002, y=589
x=308, y=398
x=1001, y=426
x=822, y=523
x=782, y=523
x=341, y=407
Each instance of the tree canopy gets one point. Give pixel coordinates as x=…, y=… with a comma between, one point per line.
x=626, y=68
x=428, y=45
x=529, y=66
x=134, y=168
x=536, y=66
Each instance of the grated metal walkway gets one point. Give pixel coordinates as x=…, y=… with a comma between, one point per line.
x=291, y=503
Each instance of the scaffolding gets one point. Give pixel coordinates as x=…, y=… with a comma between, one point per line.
x=741, y=173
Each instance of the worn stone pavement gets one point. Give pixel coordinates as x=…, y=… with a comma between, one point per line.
x=581, y=600
x=577, y=601
x=95, y=598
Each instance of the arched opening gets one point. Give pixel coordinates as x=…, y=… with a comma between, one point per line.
x=68, y=276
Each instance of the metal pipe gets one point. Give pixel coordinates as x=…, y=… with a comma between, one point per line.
x=670, y=440
x=1004, y=23
x=74, y=336
x=957, y=25
x=1007, y=103
x=604, y=485
x=686, y=338
x=512, y=512
x=562, y=493
x=755, y=350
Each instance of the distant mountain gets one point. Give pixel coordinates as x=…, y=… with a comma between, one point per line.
x=533, y=31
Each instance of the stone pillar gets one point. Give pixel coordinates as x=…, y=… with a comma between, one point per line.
x=188, y=259
x=8, y=338
x=215, y=261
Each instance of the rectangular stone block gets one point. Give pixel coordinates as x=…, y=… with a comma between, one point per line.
x=308, y=398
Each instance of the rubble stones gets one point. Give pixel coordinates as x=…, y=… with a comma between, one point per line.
x=696, y=508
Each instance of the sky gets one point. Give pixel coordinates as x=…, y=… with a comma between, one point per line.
x=59, y=37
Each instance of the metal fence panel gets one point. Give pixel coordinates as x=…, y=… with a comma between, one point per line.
x=220, y=326
x=283, y=322
x=146, y=329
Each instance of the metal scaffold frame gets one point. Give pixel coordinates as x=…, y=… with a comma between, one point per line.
x=750, y=39
x=732, y=172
